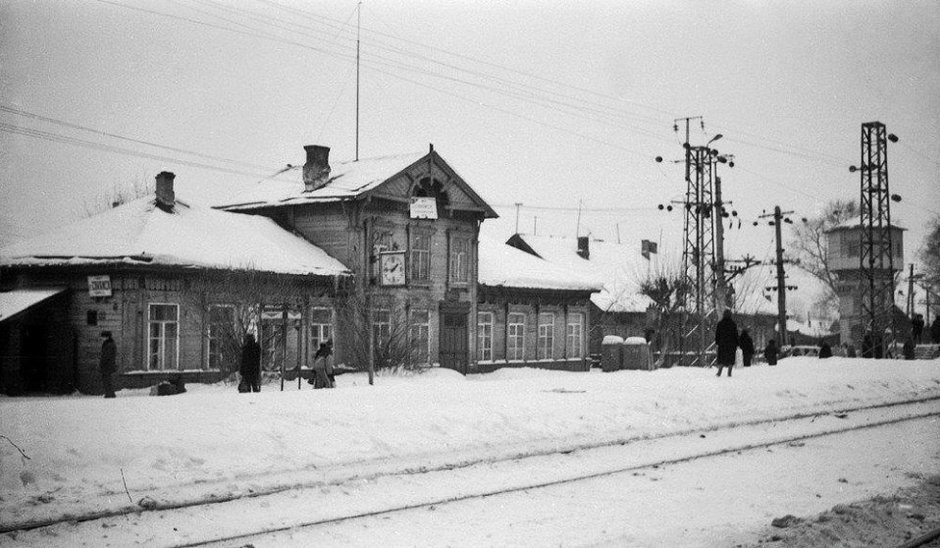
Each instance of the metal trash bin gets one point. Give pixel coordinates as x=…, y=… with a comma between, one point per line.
x=636, y=354
x=610, y=353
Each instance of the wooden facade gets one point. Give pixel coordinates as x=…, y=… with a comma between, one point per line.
x=163, y=321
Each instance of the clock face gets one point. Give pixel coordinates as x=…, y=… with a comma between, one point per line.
x=393, y=267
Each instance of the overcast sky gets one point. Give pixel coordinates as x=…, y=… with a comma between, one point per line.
x=550, y=104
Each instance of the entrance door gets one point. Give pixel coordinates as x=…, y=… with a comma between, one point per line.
x=33, y=361
x=453, y=351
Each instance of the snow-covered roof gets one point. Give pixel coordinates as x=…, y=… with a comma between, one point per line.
x=856, y=222
x=506, y=266
x=139, y=232
x=347, y=180
x=618, y=266
x=817, y=332
x=16, y=301
x=621, y=268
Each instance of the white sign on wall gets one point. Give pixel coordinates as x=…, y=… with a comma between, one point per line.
x=423, y=207
x=99, y=286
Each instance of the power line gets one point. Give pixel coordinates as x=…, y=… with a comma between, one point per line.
x=383, y=61
x=54, y=137
x=26, y=114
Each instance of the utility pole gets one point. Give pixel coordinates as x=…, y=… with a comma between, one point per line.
x=517, y=204
x=781, y=276
x=910, y=293
x=876, y=260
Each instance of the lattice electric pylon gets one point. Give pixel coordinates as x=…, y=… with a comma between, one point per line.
x=876, y=262
x=698, y=254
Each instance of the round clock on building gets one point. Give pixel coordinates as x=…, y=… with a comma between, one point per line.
x=392, y=265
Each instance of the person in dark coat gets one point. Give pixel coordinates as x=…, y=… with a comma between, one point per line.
x=917, y=327
x=747, y=347
x=908, y=349
x=726, y=339
x=251, y=364
x=825, y=350
x=321, y=374
x=108, y=364
x=935, y=331
x=770, y=352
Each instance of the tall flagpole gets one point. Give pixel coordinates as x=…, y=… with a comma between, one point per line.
x=358, y=27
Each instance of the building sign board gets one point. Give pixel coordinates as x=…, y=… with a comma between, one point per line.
x=423, y=207
x=99, y=286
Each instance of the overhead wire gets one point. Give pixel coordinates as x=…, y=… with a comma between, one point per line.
x=516, y=90
x=58, y=138
x=63, y=123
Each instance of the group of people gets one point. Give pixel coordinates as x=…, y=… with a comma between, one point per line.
x=728, y=341
x=250, y=369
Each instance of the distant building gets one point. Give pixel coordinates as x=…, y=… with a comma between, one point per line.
x=620, y=308
x=844, y=259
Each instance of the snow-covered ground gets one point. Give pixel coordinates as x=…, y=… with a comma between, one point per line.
x=71, y=456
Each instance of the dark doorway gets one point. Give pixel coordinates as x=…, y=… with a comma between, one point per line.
x=453, y=351
x=33, y=361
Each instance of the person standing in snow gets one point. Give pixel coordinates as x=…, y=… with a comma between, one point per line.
x=108, y=363
x=747, y=347
x=251, y=364
x=825, y=350
x=935, y=331
x=726, y=339
x=321, y=378
x=770, y=352
x=908, y=349
x=917, y=327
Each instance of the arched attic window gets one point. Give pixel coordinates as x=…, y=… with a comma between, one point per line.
x=432, y=188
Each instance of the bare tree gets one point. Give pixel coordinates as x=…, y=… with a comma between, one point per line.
x=119, y=194
x=930, y=254
x=810, y=243
x=236, y=300
x=665, y=287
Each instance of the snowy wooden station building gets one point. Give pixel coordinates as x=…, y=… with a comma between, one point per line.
x=383, y=254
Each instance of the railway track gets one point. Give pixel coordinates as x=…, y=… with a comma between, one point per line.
x=918, y=409
x=245, y=539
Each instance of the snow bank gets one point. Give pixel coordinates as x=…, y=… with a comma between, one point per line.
x=81, y=449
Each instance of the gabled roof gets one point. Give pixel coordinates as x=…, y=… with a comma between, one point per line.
x=504, y=266
x=141, y=233
x=350, y=180
x=621, y=268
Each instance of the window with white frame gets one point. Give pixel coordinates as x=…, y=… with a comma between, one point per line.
x=485, y=336
x=321, y=327
x=516, y=344
x=381, y=328
x=419, y=334
x=546, y=340
x=222, y=338
x=575, y=334
x=420, y=257
x=459, y=260
x=163, y=336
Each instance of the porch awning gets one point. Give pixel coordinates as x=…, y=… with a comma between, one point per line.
x=17, y=301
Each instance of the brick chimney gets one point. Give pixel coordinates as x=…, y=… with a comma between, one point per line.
x=317, y=168
x=166, y=198
x=584, y=247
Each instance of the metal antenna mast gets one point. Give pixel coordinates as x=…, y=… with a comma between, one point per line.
x=358, y=27
x=876, y=260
